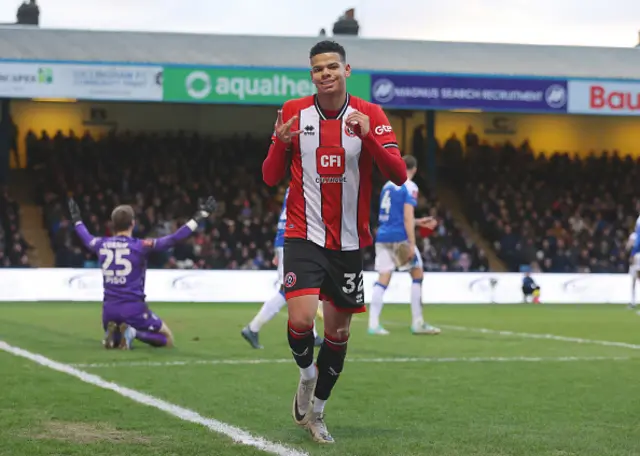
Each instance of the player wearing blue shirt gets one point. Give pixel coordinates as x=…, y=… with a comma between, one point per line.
x=270, y=308
x=396, y=249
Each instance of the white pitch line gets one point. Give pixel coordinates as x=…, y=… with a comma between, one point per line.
x=578, y=340
x=494, y=359
x=186, y=362
x=236, y=434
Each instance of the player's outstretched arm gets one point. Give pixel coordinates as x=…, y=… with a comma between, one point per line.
x=185, y=230
x=380, y=140
x=81, y=230
x=274, y=166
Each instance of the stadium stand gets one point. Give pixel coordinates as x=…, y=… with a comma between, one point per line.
x=163, y=175
x=554, y=213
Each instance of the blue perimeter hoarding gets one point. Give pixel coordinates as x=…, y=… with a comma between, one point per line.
x=462, y=92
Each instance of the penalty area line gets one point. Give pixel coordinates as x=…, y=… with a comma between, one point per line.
x=236, y=434
x=523, y=335
x=491, y=359
x=577, y=340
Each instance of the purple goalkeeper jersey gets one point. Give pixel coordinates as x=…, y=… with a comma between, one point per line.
x=123, y=261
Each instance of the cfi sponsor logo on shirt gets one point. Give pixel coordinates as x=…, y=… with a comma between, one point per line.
x=330, y=163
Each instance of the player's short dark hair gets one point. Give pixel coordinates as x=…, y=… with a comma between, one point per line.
x=122, y=218
x=327, y=46
x=410, y=161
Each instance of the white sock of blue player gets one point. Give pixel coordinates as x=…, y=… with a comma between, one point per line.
x=418, y=325
x=634, y=279
x=375, y=308
x=416, y=302
x=268, y=310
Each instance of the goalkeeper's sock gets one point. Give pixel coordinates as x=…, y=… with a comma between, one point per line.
x=150, y=338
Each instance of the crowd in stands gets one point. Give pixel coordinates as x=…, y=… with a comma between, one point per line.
x=13, y=246
x=553, y=213
x=164, y=175
x=557, y=213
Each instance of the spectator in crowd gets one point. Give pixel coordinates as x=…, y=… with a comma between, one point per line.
x=13, y=246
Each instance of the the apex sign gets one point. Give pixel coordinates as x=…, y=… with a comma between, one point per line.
x=604, y=97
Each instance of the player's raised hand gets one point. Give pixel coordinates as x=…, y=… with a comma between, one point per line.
x=359, y=123
x=427, y=222
x=210, y=205
x=206, y=209
x=74, y=211
x=283, y=129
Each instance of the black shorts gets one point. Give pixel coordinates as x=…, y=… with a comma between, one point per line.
x=334, y=275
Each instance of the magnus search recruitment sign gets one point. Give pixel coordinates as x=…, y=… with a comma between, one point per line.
x=463, y=92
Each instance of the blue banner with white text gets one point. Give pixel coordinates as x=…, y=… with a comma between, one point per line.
x=465, y=92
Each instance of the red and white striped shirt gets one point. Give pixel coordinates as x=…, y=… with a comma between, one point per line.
x=331, y=169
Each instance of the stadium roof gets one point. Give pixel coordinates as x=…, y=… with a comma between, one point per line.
x=270, y=51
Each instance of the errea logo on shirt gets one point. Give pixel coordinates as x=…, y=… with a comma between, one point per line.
x=382, y=129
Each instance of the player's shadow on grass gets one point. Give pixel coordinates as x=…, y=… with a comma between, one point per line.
x=363, y=431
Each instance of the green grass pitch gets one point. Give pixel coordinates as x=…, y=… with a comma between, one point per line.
x=466, y=392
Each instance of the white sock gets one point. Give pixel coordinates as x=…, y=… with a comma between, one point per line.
x=375, y=308
x=268, y=310
x=308, y=372
x=416, y=302
x=318, y=405
x=633, y=291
